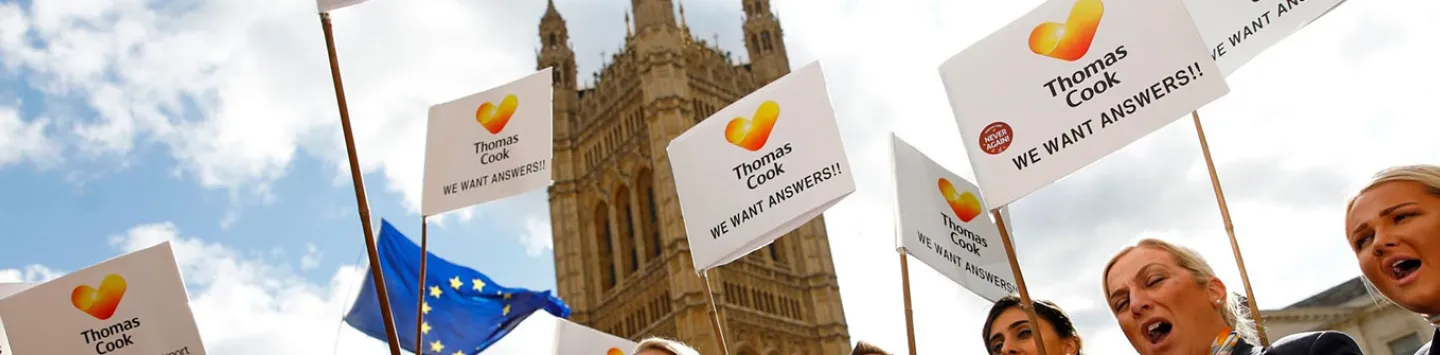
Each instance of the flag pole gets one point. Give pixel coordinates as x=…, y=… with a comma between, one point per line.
x=1230, y=230
x=1019, y=278
x=905, y=288
x=420, y=306
x=362, y=203
x=714, y=313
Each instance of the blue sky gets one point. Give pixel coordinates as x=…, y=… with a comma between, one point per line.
x=49, y=218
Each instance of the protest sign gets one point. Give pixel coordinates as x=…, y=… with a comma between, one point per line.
x=1237, y=31
x=7, y=289
x=489, y=145
x=132, y=304
x=944, y=224
x=1112, y=73
x=575, y=339
x=759, y=168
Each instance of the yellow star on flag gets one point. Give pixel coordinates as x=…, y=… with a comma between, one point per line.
x=425, y=307
x=436, y=346
x=479, y=284
x=458, y=352
x=424, y=327
x=506, y=311
x=435, y=291
x=507, y=296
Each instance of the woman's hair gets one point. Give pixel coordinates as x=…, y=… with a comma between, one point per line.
x=1234, y=311
x=865, y=348
x=1428, y=175
x=1046, y=310
x=668, y=345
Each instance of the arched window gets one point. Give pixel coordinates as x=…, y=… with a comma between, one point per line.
x=651, y=213
x=555, y=76
x=630, y=255
x=777, y=252
x=756, y=41
x=765, y=38
x=553, y=41
x=602, y=243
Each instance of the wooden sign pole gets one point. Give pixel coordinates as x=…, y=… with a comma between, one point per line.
x=714, y=313
x=361, y=201
x=1230, y=230
x=905, y=287
x=420, y=306
x=1019, y=279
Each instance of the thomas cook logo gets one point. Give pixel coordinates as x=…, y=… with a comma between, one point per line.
x=1071, y=40
x=752, y=133
x=965, y=205
x=493, y=117
x=100, y=303
x=614, y=351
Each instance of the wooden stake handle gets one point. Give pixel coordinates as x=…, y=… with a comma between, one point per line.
x=362, y=203
x=420, y=305
x=905, y=287
x=714, y=313
x=1019, y=279
x=1230, y=230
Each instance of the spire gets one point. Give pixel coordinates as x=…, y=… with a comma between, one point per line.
x=682, y=16
x=628, y=32
x=550, y=9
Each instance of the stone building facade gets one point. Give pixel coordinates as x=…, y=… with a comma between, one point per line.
x=1380, y=327
x=622, y=260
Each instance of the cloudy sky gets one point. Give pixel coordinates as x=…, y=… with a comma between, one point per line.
x=213, y=124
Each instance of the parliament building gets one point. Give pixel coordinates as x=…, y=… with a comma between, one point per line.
x=622, y=260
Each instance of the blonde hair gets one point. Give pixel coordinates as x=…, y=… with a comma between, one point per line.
x=1235, y=313
x=1425, y=174
x=669, y=345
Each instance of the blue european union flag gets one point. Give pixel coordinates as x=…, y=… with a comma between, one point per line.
x=465, y=312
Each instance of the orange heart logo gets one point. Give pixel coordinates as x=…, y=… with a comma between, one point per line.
x=614, y=351
x=100, y=303
x=751, y=134
x=1071, y=40
x=965, y=205
x=494, y=118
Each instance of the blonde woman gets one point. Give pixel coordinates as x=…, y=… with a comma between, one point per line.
x=662, y=346
x=1393, y=225
x=1168, y=301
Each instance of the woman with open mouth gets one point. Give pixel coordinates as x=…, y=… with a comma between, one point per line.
x=1008, y=331
x=1393, y=225
x=1168, y=301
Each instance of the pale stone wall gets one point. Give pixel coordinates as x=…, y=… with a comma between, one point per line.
x=611, y=166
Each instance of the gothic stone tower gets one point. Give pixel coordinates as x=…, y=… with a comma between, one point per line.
x=622, y=260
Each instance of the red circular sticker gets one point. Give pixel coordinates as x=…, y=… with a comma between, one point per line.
x=996, y=137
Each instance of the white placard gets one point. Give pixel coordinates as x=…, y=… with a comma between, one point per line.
x=489, y=145
x=332, y=5
x=7, y=289
x=575, y=339
x=944, y=224
x=1235, y=31
x=134, y=304
x=1038, y=100
x=759, y=168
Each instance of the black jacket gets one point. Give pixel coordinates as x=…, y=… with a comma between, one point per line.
x=1426, y=349
x=1309, y=343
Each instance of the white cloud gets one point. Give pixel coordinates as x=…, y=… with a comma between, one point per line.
x=537, y=238
x=22, y=140
x=246, y=305
x=236, y=88
x=312, y=257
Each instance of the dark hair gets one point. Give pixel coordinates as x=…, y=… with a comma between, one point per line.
x=1046, y=310
x=864, y=348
